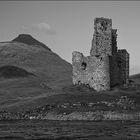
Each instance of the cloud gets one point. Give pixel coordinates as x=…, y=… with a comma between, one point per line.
x=43, y=27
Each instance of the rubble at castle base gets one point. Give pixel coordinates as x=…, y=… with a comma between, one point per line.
x=106, y=66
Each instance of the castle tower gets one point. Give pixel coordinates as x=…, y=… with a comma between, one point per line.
x=94, y=69
x=102, y=38
x=105, y=67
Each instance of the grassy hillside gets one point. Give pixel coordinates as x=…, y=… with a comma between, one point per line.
x=24, y=56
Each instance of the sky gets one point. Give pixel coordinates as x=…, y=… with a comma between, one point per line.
x=67, y=26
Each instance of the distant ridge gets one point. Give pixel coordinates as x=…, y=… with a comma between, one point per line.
x=29, y=40
x=135, y=75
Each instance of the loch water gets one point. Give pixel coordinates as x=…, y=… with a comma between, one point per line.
x=69, y=130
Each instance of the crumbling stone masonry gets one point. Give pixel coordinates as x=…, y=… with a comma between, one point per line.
x=106, y=66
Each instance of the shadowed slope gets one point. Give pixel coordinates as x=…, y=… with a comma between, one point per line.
x=13, y=72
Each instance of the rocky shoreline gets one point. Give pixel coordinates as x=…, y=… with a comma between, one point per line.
x=122, y=108
x=92, y=116
x=88, y=116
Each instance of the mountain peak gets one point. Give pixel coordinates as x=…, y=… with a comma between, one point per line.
x=29, y=40
x=25, y=36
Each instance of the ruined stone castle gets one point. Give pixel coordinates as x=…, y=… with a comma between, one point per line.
x=106, y=66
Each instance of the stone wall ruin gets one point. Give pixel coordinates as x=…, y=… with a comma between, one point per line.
x=123, y=63
x=106, y=66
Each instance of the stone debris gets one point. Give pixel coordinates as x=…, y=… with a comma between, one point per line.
x=106, y=66
x=115, y=109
